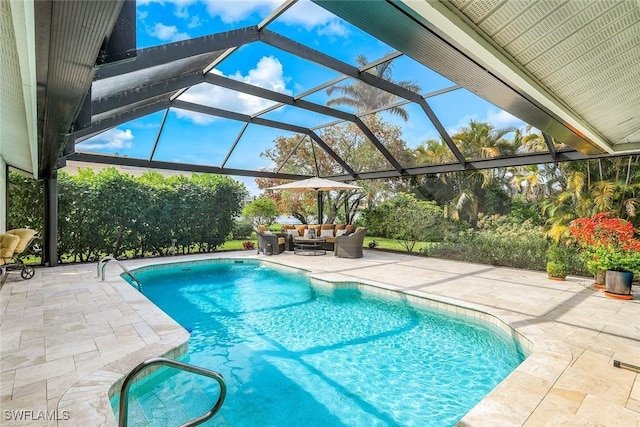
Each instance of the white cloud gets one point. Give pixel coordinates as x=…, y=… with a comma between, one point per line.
x=267, y=74
x=196, y=118
x=113, y=139
x=334, y=28
x=307, y=14
x=502, y=119
x=194, y=22
x=167, y=33
x=497, y=118
x=304, y=13
x=235, y=11
x=181, y=6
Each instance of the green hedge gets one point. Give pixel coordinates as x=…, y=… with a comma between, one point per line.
x=112, y=213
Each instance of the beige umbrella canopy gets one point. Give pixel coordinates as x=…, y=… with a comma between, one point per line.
x=318, y=185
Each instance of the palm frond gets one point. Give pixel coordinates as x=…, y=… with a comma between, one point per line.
x=631, y=207
x=603, y=193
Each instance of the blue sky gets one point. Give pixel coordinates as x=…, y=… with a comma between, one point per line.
x=194, y=138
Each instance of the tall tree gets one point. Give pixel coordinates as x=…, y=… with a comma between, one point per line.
x=355, y=149
x=461, y=192
x=364, y=97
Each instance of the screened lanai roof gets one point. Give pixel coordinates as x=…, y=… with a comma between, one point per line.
x=211, y=86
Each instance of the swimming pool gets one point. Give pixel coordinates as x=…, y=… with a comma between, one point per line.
x=295, y=352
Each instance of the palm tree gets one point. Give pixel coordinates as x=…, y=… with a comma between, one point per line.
x=602, y=185
x=481, y=140
x=432, y=152
x=463, y=189
x=364, y=97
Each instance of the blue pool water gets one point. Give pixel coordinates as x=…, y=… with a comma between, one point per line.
x=297, y=354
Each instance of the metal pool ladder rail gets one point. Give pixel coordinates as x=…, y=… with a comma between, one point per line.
x=124, y=391
x=102, y=265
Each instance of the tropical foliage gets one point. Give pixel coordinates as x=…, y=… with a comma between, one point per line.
x=302, y=156
x=607, y=243
x=112, y=213
x=557, y=261
x=585, y=188
x=261, y=211
x=405, y=219
x=363, y=97
x=495, y=241
x=462, y=193
x=25, y=207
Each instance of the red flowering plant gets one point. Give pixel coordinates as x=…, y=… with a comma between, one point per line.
x=607, y=243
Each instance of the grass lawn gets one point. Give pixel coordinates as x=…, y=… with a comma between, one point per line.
x=383, y=243
x=392, y=244
x=236, y=245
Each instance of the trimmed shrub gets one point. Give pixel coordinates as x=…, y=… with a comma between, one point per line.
x=241, y=230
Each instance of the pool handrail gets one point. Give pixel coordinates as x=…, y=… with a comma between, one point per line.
x=124, y=390
x=102, y=265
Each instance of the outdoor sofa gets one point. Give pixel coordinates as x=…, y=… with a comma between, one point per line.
x=330, y=231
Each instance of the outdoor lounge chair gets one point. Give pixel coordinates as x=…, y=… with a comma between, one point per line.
x=12, y=244
x=350, y=246
x=269, y=243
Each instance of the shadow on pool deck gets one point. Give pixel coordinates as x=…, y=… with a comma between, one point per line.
x=66, y=337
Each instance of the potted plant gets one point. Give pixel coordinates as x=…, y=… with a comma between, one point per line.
x=621, y=264
x=557, y=264
x=595, y=267
x=609, y=244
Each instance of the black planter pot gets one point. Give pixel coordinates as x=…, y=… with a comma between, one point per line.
x=619, y=282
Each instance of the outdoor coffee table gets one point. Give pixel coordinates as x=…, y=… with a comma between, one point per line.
x=307, y=246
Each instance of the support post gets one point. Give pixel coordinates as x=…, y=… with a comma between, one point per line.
x=4, y=194
x=51, y=220
x=320, y=207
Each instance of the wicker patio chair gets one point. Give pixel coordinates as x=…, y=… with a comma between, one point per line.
x=269, y=243
x=350, y=246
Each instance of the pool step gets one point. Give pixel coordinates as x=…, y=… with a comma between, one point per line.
x=157, y=404
x=164, y=407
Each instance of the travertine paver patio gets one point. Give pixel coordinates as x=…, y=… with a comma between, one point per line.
x=66, y=337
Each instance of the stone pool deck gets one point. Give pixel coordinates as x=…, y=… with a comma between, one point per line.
x=66, y=337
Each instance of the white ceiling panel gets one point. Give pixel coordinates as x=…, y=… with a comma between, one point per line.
x=586, y=54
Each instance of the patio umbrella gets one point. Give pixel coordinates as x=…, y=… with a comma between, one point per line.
x=318, y=185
